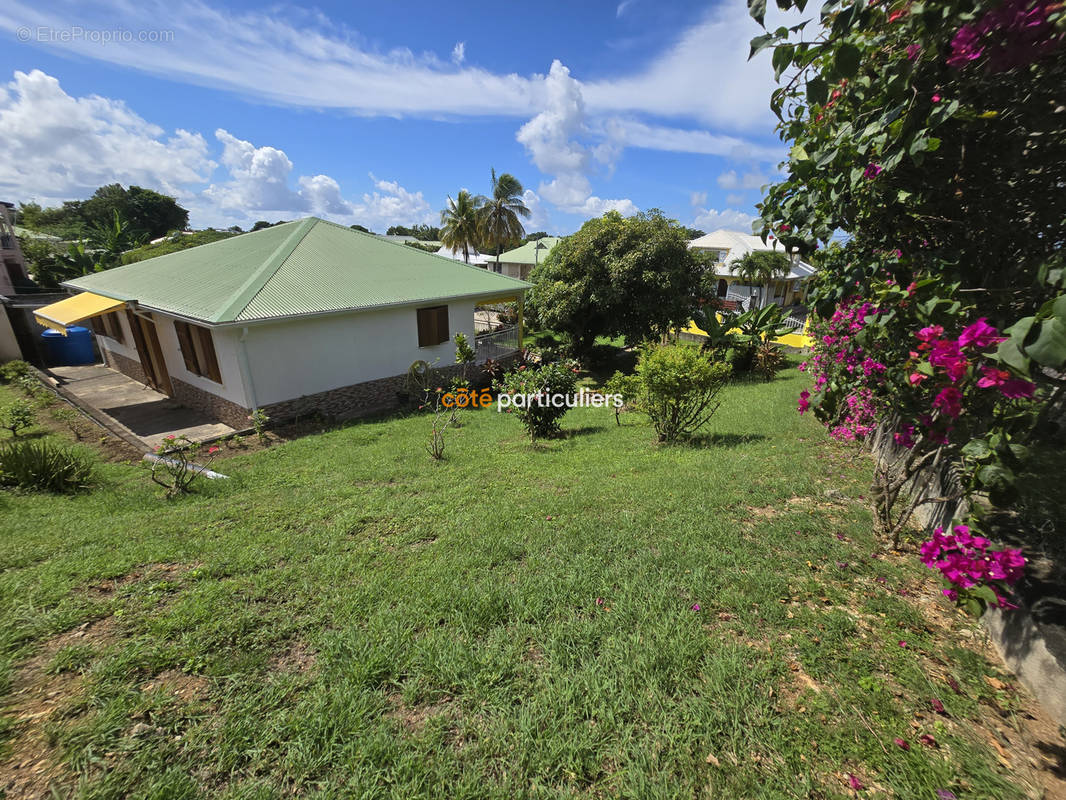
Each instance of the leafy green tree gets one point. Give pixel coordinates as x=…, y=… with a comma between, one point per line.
x=362, y=228
x=460, y=223
x=617, y=276
x=111, y=240
x=148, y=212
x=759, y=268
x=500, y=214
x=260, y=224
x=693, y=233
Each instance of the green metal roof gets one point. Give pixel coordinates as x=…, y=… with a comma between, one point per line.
x=309, y=266
x=526, y=254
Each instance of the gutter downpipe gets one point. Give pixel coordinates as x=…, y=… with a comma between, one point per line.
x=246, y=371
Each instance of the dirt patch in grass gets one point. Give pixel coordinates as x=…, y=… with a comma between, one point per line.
x=413, y=718
x=297, y=657
x=165, y=571
x=180, y=685
x=37, y=698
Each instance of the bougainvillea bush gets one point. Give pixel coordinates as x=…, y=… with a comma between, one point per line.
x=934, y=136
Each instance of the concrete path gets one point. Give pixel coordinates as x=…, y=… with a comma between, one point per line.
x=144, y=412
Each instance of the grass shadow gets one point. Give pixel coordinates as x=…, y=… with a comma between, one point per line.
x=584, y=430
x=724, y=439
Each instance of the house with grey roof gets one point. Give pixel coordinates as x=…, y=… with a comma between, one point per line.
x=299, y=317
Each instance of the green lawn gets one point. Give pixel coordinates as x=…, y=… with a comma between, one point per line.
x=345, y=618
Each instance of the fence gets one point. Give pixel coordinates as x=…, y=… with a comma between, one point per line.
x=497, y=344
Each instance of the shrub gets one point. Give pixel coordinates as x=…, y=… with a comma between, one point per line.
x=768, y=360
x=18, y=415
x=259, y=419
x=174, y=469
x=12, y=370
x=676, y=387
x=68, y=416
x=45, y=467
x=536, y=386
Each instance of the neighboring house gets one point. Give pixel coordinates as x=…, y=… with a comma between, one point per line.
x=728, y=246
x=519, y=263
x=299, y=317
x=476, y=259
x=12, y=264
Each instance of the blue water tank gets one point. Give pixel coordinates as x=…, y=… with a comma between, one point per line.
x=65, y=351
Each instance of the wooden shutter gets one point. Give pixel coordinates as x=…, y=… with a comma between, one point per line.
x=97, y=325
x=432, y=326
x=207, y=346
x=442, y=324
x=188, y=351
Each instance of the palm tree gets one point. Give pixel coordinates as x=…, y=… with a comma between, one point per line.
x=499, y=216
x=460, y=228
x=759, y=267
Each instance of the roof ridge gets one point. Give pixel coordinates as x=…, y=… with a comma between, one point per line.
x=255, y=283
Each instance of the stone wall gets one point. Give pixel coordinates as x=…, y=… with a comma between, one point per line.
x=127, y=366
x=234, y=415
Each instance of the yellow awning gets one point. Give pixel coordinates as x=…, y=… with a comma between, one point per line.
x=58, y=316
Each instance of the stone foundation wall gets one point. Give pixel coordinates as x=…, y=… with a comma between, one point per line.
x=369, y=397
x=234, y=415
x=127, y=366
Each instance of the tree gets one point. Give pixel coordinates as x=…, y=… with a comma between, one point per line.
x=617, y=276
x=149, y=212
x=534, y=237
x=460, y=228
x=500, y=214
x=693, y=233
x=260, y=224
x=111, y=240
x=759, y=268
x=362, y=228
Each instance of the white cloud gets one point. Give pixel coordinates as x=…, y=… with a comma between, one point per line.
x=538, y=214
x=392, y=204
x=623, y=6
x=459, y=52
x=323, y=195
x=710, y=219
x=553, y=141
x=58, y=147
x=259, y=178
x=698, y=198
x=633, y=133
x=734, y=199
x=749, y=180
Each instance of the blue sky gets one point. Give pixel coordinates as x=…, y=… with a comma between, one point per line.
x=376, y=112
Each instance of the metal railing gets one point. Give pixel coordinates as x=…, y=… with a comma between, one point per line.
x=497, y=344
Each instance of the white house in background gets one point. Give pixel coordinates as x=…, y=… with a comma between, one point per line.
x=476, y=259
x=521, y=261
x=299, y=317
x=728, y=246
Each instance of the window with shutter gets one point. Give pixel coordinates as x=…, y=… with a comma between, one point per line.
x=198, y=350
x=432, y=326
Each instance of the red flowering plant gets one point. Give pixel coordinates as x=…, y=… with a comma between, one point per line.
x=179, y=461
x=975, y=573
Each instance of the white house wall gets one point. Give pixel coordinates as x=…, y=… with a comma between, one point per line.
x=297, y=357
x=226, y=351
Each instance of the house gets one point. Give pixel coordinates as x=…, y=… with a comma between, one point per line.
x=474, y=257
x=727, y=246
x=519, y=263
x=299, y=317
x=12, y=265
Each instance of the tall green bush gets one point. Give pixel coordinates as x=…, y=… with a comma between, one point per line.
x=537, y=386
x=45, y=467
x=676, y=387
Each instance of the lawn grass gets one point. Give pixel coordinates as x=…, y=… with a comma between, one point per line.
x=346, y=618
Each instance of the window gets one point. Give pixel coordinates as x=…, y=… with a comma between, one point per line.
x=198, y=350
x=108, y=325
x=432, y=326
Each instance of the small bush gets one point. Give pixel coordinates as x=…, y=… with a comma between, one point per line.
x=13, y=370
x=539, y=416
x=45, y=467
x=676, y=387
x=768, y=360
x=17, y=415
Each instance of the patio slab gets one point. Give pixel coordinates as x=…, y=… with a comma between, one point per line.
x=145, y=413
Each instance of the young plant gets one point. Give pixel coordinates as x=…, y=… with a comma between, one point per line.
x=69, y=417
x=13, y=370
x=45, y=467
x=259, y=419
x=17, y=416
x=539, y=389
x=175, y=469
x=442, y=420
x=768, y=360
x=676, y=387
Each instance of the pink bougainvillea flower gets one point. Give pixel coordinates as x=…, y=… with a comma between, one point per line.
x=212, y=450
x=913, y=51
x=855, y=783
x=901, y=744
x=899, y=13
x=938, y=707
x=944, y=794
x=930, y=333
x=872, y=171
x=949, y=401
x=979, y=335
x=915, y=378
x=992, y=377
x=599, y=601
x=804, y=401
x=903, y=644
x=695, y=607
x=935, y=98
x=1017, y=388
x=927, y=740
